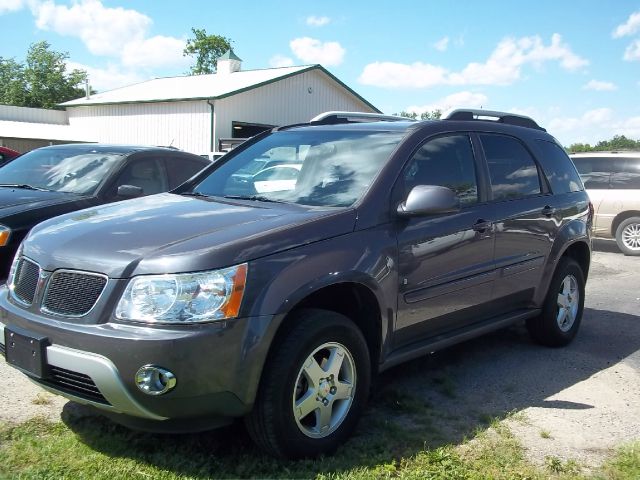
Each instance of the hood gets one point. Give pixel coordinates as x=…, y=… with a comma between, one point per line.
x=170, y=233
x=16, y=200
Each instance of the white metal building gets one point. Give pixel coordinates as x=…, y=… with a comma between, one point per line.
x=194, y=112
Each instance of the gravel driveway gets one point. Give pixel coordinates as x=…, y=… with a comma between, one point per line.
x=576, y=403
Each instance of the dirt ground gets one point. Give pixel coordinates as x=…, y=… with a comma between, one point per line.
x=574, y=403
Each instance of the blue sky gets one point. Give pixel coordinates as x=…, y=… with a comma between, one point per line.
x=572, y=65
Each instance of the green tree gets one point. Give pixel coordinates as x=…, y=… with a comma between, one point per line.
x=42, y=81
x=432, y=115
x=618, y=142
x=13, y=88
x=206, y=49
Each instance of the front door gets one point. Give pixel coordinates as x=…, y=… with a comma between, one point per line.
x=445, y=261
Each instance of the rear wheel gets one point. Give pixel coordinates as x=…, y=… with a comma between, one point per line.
x=561, y=314
x=314, y=387
x=628, y=236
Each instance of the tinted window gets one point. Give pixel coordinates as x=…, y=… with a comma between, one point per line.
x=626, y=173
x=559, y=168
x=336, y=166
x=446, y=161
x=63, y=170
x=512, y=170
x=179, y=170
x=144, y=173
x=595, y=171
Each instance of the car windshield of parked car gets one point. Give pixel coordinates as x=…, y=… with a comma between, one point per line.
x=308, y=167
x=62, y=170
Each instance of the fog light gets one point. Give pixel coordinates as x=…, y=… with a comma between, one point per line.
x=154, y=380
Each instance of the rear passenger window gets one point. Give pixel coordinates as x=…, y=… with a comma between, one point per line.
x=595, y=171
x=448, y=162
x=559, y=168
x=626, y=174
x=512, y=170
x=179, y=170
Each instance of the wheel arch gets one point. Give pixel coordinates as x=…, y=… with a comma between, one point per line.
x=621, y=217
x=354, y=300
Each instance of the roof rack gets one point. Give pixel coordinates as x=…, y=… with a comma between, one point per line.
x=489, y=115
x=330, y=118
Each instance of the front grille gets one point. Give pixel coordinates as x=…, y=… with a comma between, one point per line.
x=2, y=350
x=72, y=293
x=74, y=383
x=26, y=280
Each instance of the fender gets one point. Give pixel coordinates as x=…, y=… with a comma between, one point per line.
x=574, y=231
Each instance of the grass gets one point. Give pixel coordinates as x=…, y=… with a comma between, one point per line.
x=384, y=449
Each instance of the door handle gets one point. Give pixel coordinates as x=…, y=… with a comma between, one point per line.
x=548, y=211
x=482, y=226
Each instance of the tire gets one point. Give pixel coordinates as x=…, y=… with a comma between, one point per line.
x=318, y=374
x=561, y=315
x=628, y=236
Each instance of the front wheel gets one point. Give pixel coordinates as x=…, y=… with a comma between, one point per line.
x=313, y=388
x=628, y=236
x=561, y=314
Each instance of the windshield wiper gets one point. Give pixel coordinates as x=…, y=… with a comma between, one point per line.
x=24, y=186
x=258, y=198
x=194, y=194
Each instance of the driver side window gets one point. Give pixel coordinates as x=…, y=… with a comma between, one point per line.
x=445, y=161
x=146, y=173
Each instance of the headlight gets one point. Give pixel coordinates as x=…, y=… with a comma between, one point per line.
x=184, y=298
x=5, y=233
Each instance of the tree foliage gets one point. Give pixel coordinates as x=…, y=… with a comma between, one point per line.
x=618, y=142
x=433, y=115
x=42, y=81
x=206, y=49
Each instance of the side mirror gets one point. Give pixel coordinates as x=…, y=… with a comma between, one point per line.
x=129, y=191
x=429, y=200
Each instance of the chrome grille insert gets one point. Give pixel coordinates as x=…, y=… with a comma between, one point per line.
x=72, y=293
x=25, y=281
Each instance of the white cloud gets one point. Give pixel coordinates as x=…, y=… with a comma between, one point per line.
x=503, y=67
x=442, y=44
x=158, y=51
x=631, y=26
x=105, y=31
x=315, y=21
x=600, y=86
x=310, y=50
x=108, y=78
x=593, y=126
x=11, y=5
x=280, y=61
x=632, y=52
x=455, y=100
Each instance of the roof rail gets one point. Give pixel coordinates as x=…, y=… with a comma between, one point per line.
x=330, y=118
x=489, y=115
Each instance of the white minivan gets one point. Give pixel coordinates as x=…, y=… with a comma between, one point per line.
x=612, y=180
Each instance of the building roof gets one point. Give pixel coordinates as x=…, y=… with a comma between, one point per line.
x=201, y=87
x=45, y=131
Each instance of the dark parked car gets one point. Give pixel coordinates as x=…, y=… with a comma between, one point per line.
x=7, y=154
x=184, y=310
x=50, y=181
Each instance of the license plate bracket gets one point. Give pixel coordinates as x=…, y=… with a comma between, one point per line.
x=26, y=351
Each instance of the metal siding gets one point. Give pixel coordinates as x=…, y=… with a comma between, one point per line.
x=285, y=102
x=184, y=125
x=33, y=115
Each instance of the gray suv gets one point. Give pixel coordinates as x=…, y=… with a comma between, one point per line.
x=184, y=310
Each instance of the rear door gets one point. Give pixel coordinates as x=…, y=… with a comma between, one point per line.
x=445, y=261
x=524, y=214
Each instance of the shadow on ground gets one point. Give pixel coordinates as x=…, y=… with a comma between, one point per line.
x=429, y=402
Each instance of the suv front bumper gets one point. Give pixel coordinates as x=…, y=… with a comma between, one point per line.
x=217, y=365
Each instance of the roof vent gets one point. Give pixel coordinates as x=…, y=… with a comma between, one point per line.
x=228, y=63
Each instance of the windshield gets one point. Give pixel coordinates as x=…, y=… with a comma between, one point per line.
x=61, y=170
x=319, y=168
